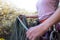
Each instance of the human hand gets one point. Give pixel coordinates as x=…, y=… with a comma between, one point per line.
x=36, y=31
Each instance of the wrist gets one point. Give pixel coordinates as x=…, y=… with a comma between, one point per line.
x=44, y=26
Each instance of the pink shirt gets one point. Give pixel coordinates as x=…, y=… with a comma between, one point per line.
x=46, y=7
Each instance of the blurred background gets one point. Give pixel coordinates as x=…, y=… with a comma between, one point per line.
x=10, y=9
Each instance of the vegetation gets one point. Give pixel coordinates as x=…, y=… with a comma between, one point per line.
x=8, y=15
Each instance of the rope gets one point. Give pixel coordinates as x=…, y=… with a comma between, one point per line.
x=22, y=23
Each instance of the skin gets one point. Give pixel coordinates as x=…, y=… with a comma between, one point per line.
x=34, y=16
x=39, y=30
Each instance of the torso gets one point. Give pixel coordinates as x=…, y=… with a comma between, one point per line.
x=46, y=7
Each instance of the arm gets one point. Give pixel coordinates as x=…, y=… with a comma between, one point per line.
x=53, y=19
x=33, y=16
x=39, y=30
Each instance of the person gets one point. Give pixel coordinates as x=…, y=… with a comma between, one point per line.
x=39, y=30
x=47, y=10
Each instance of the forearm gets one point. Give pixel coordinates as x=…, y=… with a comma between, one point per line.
x=53, y=19
x=33, y=16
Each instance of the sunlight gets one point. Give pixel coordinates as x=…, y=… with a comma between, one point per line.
x=29, y=5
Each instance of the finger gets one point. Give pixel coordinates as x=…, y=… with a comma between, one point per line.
x=29, y=30
x=33, y=38
x=28, y=33
x=30, y=37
